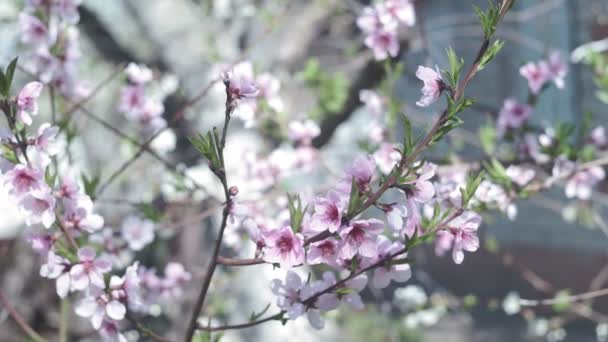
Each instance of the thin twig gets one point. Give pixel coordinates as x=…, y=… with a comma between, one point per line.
x=21, y=322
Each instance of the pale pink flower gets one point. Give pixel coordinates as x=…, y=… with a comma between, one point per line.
x=22, y=179
x=399, y=272
x=132, y=99
x=39, y=205
x=79, y=217
x=362, y=171
x=383, y=42
x=127, y=289
x=558, y=69
x=395, y=216
x=373, y=102
x=269, y=87
x=67, y=10
x=284, y=247
x=89, y=270
x=360, y=238
x=242, y=82
x=597, y=137
x=303, y=132
x=537, y=75
x=581, y=184
x=433, y=85
x=330, y=301
x=402, y=10
x=45, y=141
x=288, y=294
x=373, y=19
x=176, y=277
x=386, y=157
x=137, y=232
x=110, y=332
x=421, y=189
x=34, y=31
x=27, y=102
x=138, y=73
x=328, y=212
x=57, y=268
x=323, y=252
x=413, y=222
x=41, y=242
x=461, y=235
x=520, y=175
x=512, y=115
x=98, y=306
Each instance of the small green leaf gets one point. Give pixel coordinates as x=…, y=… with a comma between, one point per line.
x=10, y=73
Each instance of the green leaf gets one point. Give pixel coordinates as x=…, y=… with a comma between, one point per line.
x=487, y=138
x=456, y=65
x=4, y=89
x=10, y=73
x=355, y=201
x=490, y=53
x=470, y=188
x=255, y=316
x=296, y=212
x=90, y=184
x=149, y=211
x=408, y=141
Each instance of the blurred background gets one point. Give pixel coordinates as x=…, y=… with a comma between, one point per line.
x=543, y=253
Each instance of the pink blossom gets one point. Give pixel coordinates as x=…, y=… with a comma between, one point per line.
x=461, y=235
x=360, y=237
x=67, y=10
x=79, y=217
x=597, y=137
x=176, y=277
x=398, y=272
x=241, y=81
x=288, y=294
x=138, y=73
x=581, y=184
x=323, y=252
x=34, y=31
x=373, y=19
x=57, y=268
x=98, y=306
x=433, y=85
x=421, y=189
x=45, y=141
x=402, y=10
x=41, y=243
x=512, y=115
x=89, y=270
x=137, y=232
x=284, y=247
x=558, y=69
x=373, y=102
x=269, y=87
x=383, y=42
x=132, y=98
x=386, y=157
x=303, y=131
x=330, y=301
x=328, y=212
x=127, y=289
x=27, y=102
x=537, y=75
x=395, y=216
x=362, y=171
x=22, y=179
x=39, y=205
x=520, y=175
x=413, y=223
x=110, y=332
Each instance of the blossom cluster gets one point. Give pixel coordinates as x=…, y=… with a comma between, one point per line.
x=48, y=30
x=380, y=25
x=78, y=252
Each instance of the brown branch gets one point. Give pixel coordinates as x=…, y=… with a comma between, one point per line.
x=221, y=175
x=274, y=317
x=21, y=322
